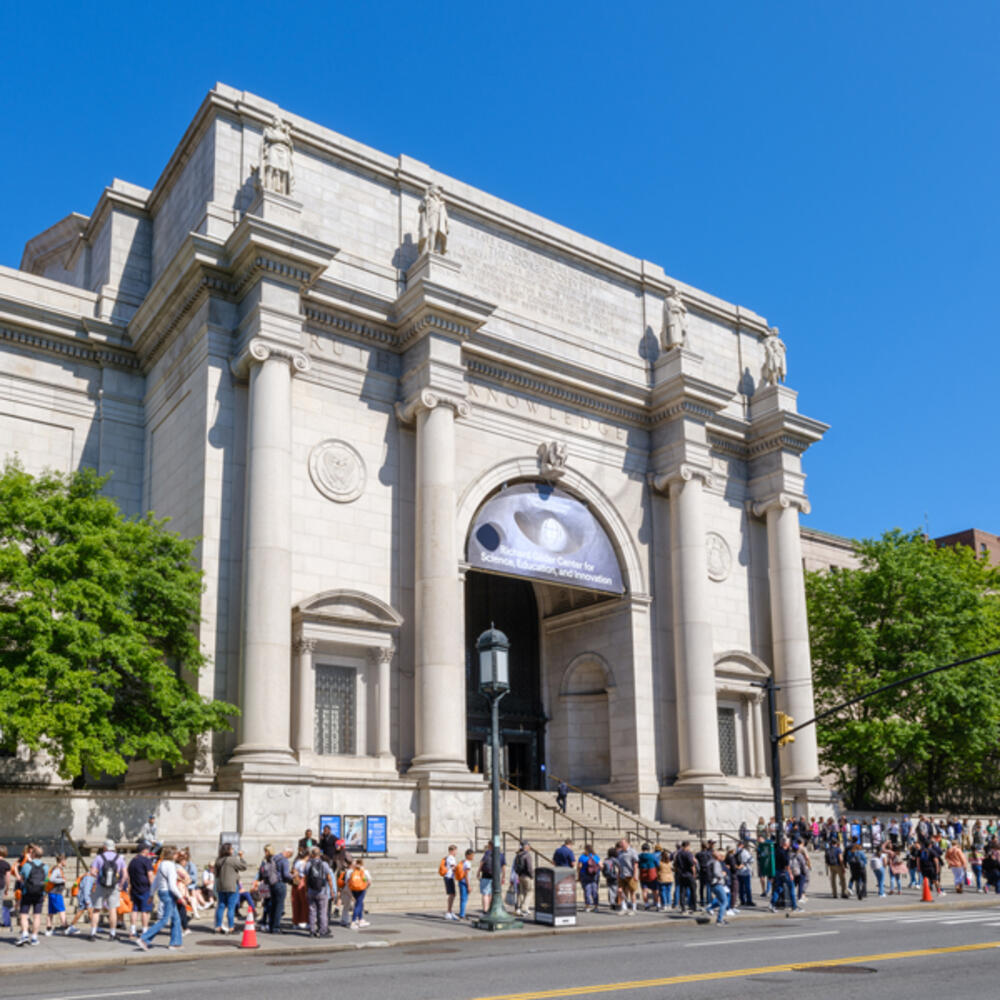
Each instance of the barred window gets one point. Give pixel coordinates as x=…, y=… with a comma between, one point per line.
x=335, y=709
x=727, y=741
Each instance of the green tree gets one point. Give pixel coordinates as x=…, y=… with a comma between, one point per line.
x=97, y=629
x=910, y=606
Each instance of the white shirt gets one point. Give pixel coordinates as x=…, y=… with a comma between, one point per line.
x=166, y=878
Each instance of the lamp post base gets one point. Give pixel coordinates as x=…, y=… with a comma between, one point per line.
x=498, y=919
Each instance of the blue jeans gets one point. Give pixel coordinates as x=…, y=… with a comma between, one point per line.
x=880, y=880
x=745, y=889
x=227, y=904
x=463, y=897
x=977, y=870
x=168, y=914
x=276, y=906
x=665, y=888
x=895, y=882
x=591, y=892
x=359, y=905
x=781, y=882
x=720, y=899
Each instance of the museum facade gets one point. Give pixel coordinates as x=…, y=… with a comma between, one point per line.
x=395, y=409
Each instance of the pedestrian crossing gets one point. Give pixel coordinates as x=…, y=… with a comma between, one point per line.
x=988, y=917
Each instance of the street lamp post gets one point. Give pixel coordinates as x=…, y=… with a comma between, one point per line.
x=494, y=683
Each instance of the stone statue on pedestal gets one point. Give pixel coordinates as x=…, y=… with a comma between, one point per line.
x=674, y=321
x=275, y=170
x=433, y=222
x=773, y=370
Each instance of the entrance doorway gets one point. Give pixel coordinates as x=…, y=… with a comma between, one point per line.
x=510, y=605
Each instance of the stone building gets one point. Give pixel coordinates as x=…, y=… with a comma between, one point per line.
x=396, y=409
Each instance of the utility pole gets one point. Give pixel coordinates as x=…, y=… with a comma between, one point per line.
x=772, y=715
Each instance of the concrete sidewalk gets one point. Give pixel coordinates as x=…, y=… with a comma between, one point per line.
x=415, y=929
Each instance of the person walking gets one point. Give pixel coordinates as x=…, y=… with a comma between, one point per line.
x=589, y=873
x=856, y=863
x=782, y=883
x=897, y=869
x=227, y=887
x=359, y=881
x=958, y=864
x=664, y=878
x=168, y=891
x=877, y=864
x=55, y=886
x=720, y=889
x=524, y=869
x=561, y=794
x=834, y=857
x=140, y=888
x=32, y=875
x=685, y=867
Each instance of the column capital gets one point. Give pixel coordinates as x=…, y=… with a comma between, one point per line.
x=682, y=473
x=380, y=654
x=258, y=350
x=782, y=501
x=428, y=399
x=302, y=645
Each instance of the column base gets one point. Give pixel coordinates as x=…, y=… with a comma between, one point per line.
x=260, y=764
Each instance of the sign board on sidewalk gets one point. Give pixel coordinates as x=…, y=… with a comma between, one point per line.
x=555, y=896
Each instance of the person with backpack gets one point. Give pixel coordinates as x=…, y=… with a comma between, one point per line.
x=649, y=864
x=588, y=867
x=609, y=867
x=32, y=874
x=446, y=869
x=719, y=876
x=835, y=869
x=561, y=794
x=343, y=862
x=319, y=889
x=524, y=870
x=358, y=880
x=486, y=869
x=228, y=866
x=55, y=886
x=463, y=877
x=628, y=877
x=856, y=862
x=782, y=882
x=300, y=892
x=109, y=871
x=685, y=867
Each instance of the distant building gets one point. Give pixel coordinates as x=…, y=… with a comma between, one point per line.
x=981, y=542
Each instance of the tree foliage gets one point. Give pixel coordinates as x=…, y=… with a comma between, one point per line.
x=97, y=629
x=931, y=744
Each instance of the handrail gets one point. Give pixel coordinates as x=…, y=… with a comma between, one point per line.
x=504, y=835
x=649, y=833
x=589, y=832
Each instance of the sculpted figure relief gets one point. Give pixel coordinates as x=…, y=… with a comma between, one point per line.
x=552, y=457
x=275, y=170
x=773, y=370
x=674, y=321
x=433, y=222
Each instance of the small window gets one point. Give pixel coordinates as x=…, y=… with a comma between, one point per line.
x=336, y=700
x=728, y=758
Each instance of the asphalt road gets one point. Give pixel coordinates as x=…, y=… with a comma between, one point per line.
x=895, y=956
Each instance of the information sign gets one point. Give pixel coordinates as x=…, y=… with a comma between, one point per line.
x=376, y=830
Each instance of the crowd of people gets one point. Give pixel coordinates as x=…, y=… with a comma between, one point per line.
x=160, y=888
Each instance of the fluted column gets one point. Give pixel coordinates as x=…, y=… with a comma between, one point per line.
x=380, y=658
x=265, y=676
x=304, y=693
x=697, y=717
x=439, y=664
x=790, y=633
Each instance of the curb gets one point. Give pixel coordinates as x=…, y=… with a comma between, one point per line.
x=529, y=931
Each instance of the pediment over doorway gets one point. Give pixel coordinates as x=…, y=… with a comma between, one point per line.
x=738, y=665
x=347, y=607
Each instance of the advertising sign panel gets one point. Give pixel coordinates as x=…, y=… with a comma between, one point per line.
x=376, y=829
x=333, y=822
x=538, y=532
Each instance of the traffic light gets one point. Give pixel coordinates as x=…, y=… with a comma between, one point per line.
x=785, y=723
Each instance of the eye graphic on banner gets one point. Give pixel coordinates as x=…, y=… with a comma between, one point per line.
x=536, y=531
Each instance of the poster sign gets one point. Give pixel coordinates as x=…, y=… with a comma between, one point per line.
x=555, y=896
x=376, y=834
x=538, y=532
x=333, y=822
x=354, y=832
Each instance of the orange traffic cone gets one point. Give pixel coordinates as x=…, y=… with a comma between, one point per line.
x=249, y=939
x=927, y=897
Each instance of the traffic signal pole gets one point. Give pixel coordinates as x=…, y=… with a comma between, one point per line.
x=775, y=757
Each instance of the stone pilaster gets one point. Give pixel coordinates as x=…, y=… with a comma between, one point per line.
x=380, y=658
x=304, y=698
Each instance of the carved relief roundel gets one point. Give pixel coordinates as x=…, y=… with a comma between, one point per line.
x=337, y=471
x=720, y=559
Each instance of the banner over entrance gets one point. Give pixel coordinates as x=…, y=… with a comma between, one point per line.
x=538, y=532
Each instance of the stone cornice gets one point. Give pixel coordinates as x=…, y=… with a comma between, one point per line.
x=88, y=353
x=782, y=430
x=336, y=320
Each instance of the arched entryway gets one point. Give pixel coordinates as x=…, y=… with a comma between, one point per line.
x=510, y=604
x=584, y=721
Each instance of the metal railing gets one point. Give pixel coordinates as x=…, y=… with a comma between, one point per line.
x=589, y=833
x=642, y=830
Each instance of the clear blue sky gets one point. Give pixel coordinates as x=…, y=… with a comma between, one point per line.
x=833, y=166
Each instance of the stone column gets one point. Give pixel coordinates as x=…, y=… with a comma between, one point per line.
x=697, y=718
x=380, y=657
x=790, y=633
x=265, y=678
x=304, y=690
x=439, y=664
x=759, y=750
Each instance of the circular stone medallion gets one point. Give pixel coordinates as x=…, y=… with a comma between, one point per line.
x=337, y=471
x=720, y=559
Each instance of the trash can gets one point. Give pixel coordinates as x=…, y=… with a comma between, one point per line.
x=555, y=896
